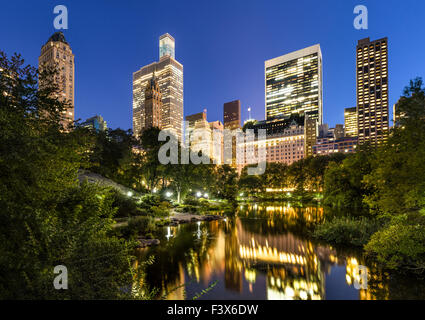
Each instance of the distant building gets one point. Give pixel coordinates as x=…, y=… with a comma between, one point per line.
x=96, y=123
x=372, y=90
x=293, y=85
x=57, y=54
x=339, y=131
x=397, y=115
x=232, y=115
x=232, y=121
x=169, y=74
x=326, y=146
x=311, y=133
x=203, y=137
x=153, y=104
x=350, y=122
x=284, y=147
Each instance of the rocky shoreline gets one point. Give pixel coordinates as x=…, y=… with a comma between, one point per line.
x=180, y=218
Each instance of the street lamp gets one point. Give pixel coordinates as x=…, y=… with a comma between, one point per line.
x=129, y=194
x=198, y=194
x=206, y=195
x=168, y=194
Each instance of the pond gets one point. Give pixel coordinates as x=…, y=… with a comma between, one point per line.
x=264, y=252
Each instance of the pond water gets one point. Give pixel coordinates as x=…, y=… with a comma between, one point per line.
x=263, y=252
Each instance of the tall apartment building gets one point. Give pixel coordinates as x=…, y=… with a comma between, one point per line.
x=350, y=122
x=153, y=104
x=293, y=85
x=372, y=90
x=57, y=54
x=169, y=74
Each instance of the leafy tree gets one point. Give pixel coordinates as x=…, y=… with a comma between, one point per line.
x=47, y=219
x=399, y=167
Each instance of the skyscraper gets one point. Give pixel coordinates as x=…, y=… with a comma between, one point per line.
x=169, y=74
x=350, y=122
x=231, y=121
x=57, y=53
x=232, y=115
x=293, y=85
x=153, y=104
x=372, y=90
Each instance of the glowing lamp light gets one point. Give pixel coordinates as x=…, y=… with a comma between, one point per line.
x=129, y=194
x=198, y=194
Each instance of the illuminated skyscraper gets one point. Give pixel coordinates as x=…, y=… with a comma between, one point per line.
x=350, y=122
x=57, y=53
x=372, y=90
x=169, y=74
x=293, y=85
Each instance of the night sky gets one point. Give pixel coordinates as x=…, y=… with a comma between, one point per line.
x=221, y=44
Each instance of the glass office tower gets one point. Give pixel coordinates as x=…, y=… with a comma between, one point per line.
x=293, y=85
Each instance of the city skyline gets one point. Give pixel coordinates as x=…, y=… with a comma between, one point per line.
x=115, y=106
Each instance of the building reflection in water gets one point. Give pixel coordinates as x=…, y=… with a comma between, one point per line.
x=260, y=254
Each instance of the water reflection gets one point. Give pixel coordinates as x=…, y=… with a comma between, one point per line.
x=262, y=253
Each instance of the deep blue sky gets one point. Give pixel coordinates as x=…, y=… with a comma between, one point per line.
x=221, y=44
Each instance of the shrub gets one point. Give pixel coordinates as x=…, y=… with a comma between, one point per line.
x=141, y=225
x=190, y=208
x=190, y=200
x=162, y=210
x=126, y=206
x=399, y=245
x=346, y=231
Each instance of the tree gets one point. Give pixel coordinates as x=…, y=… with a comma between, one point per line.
x=47, y=219
x=153, y=170
x=399, y=167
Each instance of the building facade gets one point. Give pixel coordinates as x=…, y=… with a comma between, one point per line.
x=232, y=121
x=57, y=54
x=284, y=147
x=311, y=132
x=330, y=145
x=293, y=84
x=372, y=90
x=232, y=115
x=205, y=136
x=169, y=74
x=350, y=122
x=153, y=104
